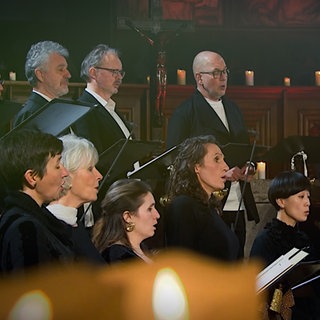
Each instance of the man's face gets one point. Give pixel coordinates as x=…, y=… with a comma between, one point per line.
x=108, y=81
x=212, y=82
x=54, y=77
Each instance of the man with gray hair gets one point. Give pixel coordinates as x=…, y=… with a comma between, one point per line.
x=103, y=73
x=46, y=69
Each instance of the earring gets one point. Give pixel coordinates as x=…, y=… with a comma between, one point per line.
x=130, y=226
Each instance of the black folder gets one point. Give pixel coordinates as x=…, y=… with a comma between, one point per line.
x=55, y=117
x=122, y=155
x=237, y=154
x=290, y=146
x=157, y=167
x=304, y=274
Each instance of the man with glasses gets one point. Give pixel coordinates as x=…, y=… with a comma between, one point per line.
x=208, y=111
x=103, y=73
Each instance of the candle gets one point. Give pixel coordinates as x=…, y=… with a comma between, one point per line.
x=261, y=169
x=148, y=79
x=249, y=78
x=169, y=299
x=181, y=77
x=12, y=76
x=286, y=81
x=317, y=78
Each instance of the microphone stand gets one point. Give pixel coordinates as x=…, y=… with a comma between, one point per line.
x=234, y=226
x=110, y=169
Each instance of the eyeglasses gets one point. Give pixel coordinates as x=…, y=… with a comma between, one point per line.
x=216, y=73
x=115, y=72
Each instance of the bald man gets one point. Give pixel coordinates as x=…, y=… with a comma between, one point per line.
x=208, y=111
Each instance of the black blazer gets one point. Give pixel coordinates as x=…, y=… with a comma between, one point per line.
x=33, y=104
x=98, y=126
x=196, y=117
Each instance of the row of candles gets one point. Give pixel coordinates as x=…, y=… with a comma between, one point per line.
x=249, y=74
x=181, y=78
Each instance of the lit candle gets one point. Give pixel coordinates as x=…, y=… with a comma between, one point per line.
x=317, y=76
x=261, y=169
x=169, y=299
x=181, y=77
x=286, y=81
x=249, y=78
x=12, y=76
x=148, y=79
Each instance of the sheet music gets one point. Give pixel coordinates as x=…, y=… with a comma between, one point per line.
x=279, y=267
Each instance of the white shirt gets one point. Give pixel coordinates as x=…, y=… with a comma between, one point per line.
x=234, y=197
x=110, y=106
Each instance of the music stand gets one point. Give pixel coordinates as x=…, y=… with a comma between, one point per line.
x=133, y=151
x=290, y=146
x=237, y=154
x=55, y=117
x=155, y=168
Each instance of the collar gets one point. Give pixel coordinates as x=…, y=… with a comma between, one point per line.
x=110, y=104
x=42, y=95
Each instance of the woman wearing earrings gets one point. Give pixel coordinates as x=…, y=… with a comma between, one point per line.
x=128, y=217
x=192, y=218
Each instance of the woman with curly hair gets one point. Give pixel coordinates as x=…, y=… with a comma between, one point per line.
x=192, y=216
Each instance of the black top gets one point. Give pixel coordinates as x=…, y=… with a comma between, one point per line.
x=118, y=253
x=193, y=225
x=276, y=239
x=30, y=235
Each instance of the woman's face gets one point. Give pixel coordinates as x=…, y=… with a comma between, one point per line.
x=49, y=187
x=145, y=218
x=295, y=208
x=211, y=172
x=85, y=184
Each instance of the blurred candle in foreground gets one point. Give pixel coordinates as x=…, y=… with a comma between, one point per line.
x=181, y=77
x=286, y=81
x=261, y=169
x=249, y=77
x=169, y=300
x=317, y=78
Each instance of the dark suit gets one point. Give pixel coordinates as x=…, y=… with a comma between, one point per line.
x=33, y=104
x=196, y=117
x=98, y=126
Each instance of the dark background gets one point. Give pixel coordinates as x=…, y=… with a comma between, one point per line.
x=273, y=38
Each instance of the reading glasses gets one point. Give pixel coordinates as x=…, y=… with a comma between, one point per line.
x=216, y=73
x=115, y=72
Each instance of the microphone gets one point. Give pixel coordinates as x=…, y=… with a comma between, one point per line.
x=130, y=24
x=253, y=133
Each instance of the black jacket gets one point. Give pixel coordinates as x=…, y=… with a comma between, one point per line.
x=31, y=236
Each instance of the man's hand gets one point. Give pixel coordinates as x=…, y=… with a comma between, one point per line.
x=236, y=174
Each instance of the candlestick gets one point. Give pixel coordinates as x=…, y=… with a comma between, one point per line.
x=261, y=169
x=12, y=76
x=181, y=77
x=317, y=78
x=286, y=81
x=249, y=77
